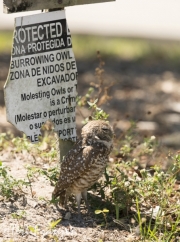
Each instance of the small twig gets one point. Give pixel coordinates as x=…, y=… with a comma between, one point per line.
x=34, y=158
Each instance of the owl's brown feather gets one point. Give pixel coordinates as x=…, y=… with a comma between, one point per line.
x=78, y=161
x=85, y=162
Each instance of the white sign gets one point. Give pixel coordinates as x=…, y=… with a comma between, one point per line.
x=42, y=80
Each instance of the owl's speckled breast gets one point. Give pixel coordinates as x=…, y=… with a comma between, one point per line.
x=90, y=176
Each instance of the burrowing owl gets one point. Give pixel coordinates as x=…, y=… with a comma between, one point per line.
x=85, y=162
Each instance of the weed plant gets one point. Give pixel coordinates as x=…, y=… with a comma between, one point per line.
x=10, y=188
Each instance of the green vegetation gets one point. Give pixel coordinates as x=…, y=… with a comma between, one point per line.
x=150, y=195
x=104, y=211
x=128, y=49
x=85, y=46
x=6, y=41
x=9, y=186
x=20, y=216
x=12, y=188
x=132, y=188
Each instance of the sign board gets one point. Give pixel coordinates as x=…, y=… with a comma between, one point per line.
x=42, y=80
x=13, y=6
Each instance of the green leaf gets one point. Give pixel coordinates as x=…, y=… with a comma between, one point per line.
x=54, y=223
x=15, y=215
x=34, y=230
x=98, y=211
x=105, y=210
x=92, y=104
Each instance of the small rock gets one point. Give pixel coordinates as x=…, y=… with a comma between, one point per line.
x=32, y=203
x=67, y=216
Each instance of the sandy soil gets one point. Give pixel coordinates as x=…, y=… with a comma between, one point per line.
x=36, y=213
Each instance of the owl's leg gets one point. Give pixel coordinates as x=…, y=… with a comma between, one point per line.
x=78, y=200
x=66, y=198
x=84, y=196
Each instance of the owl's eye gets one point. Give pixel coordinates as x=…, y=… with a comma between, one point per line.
x=105, y=129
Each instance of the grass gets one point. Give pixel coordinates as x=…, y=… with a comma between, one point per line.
x=6, y=41
x=129, y=49
x=85, y=46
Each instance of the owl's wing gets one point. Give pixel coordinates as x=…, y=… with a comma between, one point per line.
x=78, y=160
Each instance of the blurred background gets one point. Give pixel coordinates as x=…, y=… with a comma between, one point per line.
x=139, y=42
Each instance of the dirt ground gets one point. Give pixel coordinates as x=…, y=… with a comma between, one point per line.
x=38, y=214
x=146, y=92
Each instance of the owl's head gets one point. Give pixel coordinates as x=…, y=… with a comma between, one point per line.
x=97, y=130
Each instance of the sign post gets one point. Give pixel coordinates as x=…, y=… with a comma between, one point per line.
x=42, y=80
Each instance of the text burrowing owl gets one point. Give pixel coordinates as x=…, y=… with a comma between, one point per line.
x=85, y=162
